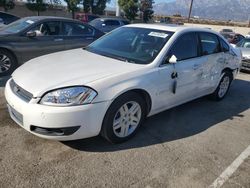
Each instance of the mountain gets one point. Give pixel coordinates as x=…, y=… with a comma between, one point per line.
x=238, y=10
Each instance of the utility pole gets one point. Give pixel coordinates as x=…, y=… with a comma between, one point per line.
x=190, y=10
x=118, y=10
x=248, y=20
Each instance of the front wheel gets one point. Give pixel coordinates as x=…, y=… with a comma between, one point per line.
x=123, y=118
x=223, y=87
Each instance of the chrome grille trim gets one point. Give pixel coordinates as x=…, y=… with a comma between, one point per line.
x=20, y=92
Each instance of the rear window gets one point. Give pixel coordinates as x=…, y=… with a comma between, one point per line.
x=111, y=22
x=125, y=22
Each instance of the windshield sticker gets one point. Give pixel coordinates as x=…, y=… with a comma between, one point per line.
x=29, y=21
x=157, y=34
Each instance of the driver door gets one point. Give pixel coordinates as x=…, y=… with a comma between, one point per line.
x=47, y=40
x=182, y=87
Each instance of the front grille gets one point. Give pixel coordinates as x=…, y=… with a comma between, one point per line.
x=20, y=92
x=246, y=61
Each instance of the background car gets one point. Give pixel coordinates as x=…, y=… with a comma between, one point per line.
x=85, y=18
x=31, y=37
x=244, y=45
x=6, y=18
x=235, y=38
x=248, y=35
x=108, y=24
x=226, y=31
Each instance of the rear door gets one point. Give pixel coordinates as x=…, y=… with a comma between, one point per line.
x=48, y=39
x=214, y=60
x=77, y=35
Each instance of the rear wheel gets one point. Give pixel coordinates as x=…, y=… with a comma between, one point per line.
x=123, y=118
x=8, y=63
x=223, y=86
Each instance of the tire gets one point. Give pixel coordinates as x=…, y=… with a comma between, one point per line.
x=221, y=89
x=8, y=63
x=127, y=124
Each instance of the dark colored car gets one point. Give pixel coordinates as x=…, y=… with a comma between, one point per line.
x=108, y=24
x=85, y=18
x=6, y=18
x=235, y=38
x=31, y=37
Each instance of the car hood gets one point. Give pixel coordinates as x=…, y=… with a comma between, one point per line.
x=67, y=68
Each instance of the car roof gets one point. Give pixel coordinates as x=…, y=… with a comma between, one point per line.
x=1, y=12
x=170, y=27
x=39, y=18
x=110, y=18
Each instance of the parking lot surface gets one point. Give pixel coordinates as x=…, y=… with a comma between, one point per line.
x=187, y=146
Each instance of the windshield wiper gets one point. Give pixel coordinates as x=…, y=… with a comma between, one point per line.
x=109, y=55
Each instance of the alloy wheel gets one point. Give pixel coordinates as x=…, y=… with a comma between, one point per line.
x=127, y=119
x=5, y=63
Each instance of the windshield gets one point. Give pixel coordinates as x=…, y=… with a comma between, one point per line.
x=135, y=45
x=245, y=43
x=18, y=25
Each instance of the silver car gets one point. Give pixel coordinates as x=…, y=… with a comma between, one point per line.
x=244, y=45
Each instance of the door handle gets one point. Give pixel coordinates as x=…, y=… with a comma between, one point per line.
x=196, y=66
x=58, y=40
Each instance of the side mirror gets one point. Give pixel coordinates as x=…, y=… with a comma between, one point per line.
x=103, y=25
x=31, y=34
x=173, y=59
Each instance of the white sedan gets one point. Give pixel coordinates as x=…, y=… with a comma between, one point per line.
x=111, y=86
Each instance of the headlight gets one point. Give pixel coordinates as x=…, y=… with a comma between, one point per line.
x=69, y=96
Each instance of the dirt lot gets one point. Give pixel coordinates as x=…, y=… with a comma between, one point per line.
x=188, y=146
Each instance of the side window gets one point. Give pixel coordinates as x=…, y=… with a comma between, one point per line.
x=92, y=18
x=76, y=29
x=111, y=22
x=224, y=46
x=209, y=43
x=185, y=47
x=47, y=29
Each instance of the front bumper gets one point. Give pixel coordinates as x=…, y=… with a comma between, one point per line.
x=88, y=118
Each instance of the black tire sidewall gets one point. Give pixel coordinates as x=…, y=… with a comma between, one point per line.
x=107, y=127
x=13, y=62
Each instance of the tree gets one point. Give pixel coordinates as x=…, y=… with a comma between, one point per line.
x=7, y=4
x=130, y=8
x=146, y=7
x=73, y=6
x=36, y=5
x=94, y=6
